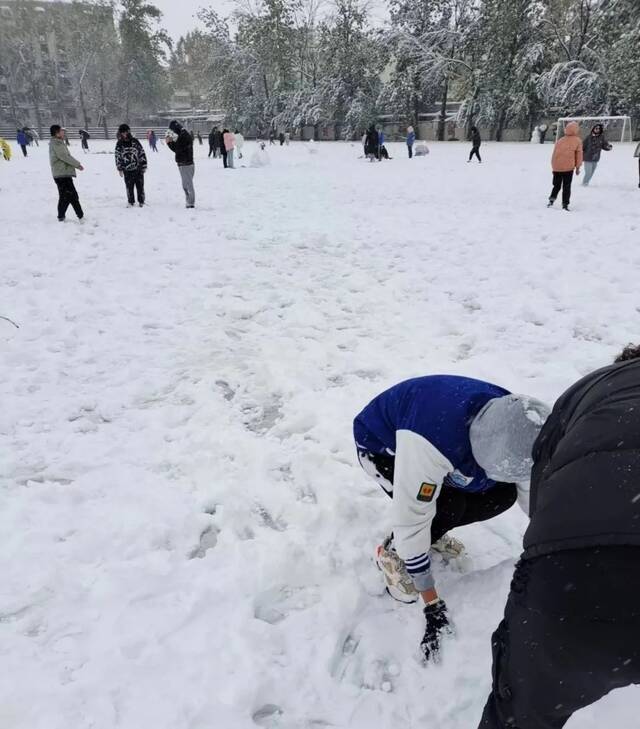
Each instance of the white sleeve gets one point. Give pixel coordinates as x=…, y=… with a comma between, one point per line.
x=420, y=469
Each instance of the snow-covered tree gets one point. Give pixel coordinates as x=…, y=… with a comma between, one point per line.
x=143, y=80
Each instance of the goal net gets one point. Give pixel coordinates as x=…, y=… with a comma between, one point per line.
x=613, y=125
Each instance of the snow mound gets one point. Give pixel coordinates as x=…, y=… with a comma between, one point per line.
x=260, y=158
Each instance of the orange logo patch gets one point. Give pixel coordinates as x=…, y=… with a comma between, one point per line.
x=427, y=491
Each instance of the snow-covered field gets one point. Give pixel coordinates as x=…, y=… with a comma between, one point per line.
x=186, y=534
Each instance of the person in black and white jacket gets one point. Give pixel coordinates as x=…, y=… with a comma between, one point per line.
x=131, y=163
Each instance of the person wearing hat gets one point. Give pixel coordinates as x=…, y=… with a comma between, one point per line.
x=448, y=451
x=571, y=627
x=63, y=169
x=131, y=163
x=180, y=142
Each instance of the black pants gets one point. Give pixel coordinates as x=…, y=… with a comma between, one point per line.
x=570, y=635
x=475, y=151
x=23, y=147
x=85, y=145
x=410, y=149
x=67, y=195
x=562, y=180
x=134, y=179
x=212, y=151
x=454, y=507
x=224, y=158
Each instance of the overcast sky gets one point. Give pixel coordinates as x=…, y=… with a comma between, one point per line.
x=179, y=15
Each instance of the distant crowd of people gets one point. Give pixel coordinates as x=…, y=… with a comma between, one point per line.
x=570, y=153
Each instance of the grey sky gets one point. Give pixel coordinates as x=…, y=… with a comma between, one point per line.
x=179, y=15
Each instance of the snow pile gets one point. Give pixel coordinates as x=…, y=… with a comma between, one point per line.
x=420, y=149
x=187, y=536
x=260, y=158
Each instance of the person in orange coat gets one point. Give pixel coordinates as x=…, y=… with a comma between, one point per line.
x=567, y=157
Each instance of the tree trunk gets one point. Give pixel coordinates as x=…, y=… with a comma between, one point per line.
x=442, y=119
x=103, y=110
x=502, y=122
x=83, y=108
x=35, y=95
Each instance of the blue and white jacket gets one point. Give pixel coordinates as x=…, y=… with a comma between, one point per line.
x=424, y=423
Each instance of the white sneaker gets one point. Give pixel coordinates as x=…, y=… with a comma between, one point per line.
x=449, y=547
x=398, y=582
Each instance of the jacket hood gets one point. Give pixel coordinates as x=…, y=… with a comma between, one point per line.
x=503, y=433
x=597, y=126
x=175, y=126
x=571, y=129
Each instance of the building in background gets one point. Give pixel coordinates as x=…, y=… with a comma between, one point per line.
x=45, y=55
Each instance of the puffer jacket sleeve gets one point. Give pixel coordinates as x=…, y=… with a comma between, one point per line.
x=142, y=157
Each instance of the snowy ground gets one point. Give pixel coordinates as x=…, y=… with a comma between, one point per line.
x=186, y=534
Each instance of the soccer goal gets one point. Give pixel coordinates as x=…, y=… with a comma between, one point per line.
x=612, y=124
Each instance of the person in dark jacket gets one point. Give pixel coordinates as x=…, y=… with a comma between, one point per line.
x=571, y=629
x=476, y=141
x=411, y=140
x=371, y=143
x=180, y=142
x=592, y=148
x=85, y=137
x=131, y=163
x=22, y=140
x=212, y=142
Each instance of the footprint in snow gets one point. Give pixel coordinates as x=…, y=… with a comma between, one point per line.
x=276, y=604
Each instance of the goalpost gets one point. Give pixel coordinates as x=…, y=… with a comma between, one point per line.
x=606, y=121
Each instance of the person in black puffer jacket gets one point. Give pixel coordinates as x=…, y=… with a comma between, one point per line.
x=592, y=148
x=180, y=142
x=131, y=163
x=476, y=141
x=571, y=630
x=371, y=144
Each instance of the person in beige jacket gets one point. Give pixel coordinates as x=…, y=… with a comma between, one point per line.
x=567, y=157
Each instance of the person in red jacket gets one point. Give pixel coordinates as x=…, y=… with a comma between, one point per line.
x=567, y=157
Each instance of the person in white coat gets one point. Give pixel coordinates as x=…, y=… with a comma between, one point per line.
x=239, y=142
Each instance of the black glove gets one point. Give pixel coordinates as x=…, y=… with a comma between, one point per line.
x=437, y=626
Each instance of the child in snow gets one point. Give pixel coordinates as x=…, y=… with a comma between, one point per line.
x=22, y=140
x=591, y=149
x=63, y=169
x=567, y=157
x=448, y=451
x=637, y=154
x=199, y=137
x=411, y=139
x=131, y=163
x=562, y=644
x=476, y=141
x=229, y=146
